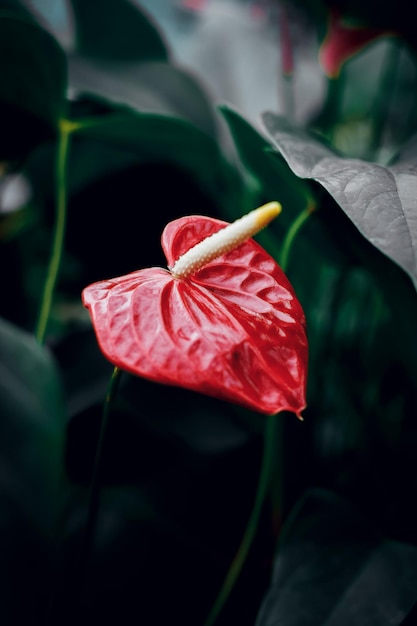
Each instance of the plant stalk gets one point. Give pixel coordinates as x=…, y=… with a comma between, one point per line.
x=252, y=525
x=384, y=98
x=95, y=487
x=61, y=163
x=287, y=61
x=293, y=232
x=270, y=464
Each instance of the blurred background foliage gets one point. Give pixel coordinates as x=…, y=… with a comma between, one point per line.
x=141, y=83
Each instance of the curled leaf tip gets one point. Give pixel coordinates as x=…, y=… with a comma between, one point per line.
x=225, y=240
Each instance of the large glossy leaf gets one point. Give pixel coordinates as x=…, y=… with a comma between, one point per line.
x=159, y=138
x=141, y=178
x=116, y=30
x=32, y=424
x=33, y=82
x=334, y=568
x=233, y=329
x=275, y=178
x=380, y=201
x=151, y=87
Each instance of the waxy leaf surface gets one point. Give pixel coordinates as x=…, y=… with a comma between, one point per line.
x=380, y=200
x=233, y=330
x=33, y=82
x=336, y=568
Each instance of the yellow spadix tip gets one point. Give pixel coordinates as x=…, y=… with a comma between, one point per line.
x=266, y=213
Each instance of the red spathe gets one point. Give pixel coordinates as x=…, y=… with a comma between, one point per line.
x=234, y=329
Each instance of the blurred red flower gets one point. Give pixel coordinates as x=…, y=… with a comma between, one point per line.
x=343, y=41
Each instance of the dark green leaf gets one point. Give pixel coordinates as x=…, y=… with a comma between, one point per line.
x=85, y=373
x=116, y=30
x=181, y=463
x=32, y=426
x=275, y=180
x=158, y=138
x=33, y=83
x=13, y=6
x=335, y=569
x=91, y=161
x=274, y=177
x=152, y=87
x=380, y=201
x=125, y=201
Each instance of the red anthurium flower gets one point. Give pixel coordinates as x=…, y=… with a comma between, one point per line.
x=224, y=320
x=343, y=41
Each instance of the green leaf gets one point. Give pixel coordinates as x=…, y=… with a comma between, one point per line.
x=334, y=568
x=155, y=169
x=109, y=139
x=151, y=87
x=33, y=83
x=380, y=201
x=274, y=177
x=32, y=426
x=116, y=30
x=158, y=138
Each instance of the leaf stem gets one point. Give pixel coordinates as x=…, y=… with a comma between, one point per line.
x=384, y=98
x=94, y=495
x=65, y=129
x=287, y=60
x=252, y=525
x=82, y=557
x=292, y=233
x=272, y=444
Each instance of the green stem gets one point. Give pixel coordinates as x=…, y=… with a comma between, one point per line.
x=252, y=525
x=94, y=495
x=293, y=232
x=287, y=61
x=87, y=539
x=384, y=98
x=272, y=446
x=65, y=129
x=276, y=483
x=329, y=117
x=277, y=470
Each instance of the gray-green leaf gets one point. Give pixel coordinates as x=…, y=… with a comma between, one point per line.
x=380, y=200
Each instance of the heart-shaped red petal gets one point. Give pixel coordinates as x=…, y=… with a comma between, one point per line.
x=234, y=329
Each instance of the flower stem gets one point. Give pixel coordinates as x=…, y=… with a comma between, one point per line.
x=94, y=495
x=292, y=233
x=270, y=464
x=287, y=61
x=252, y=525
x=384, y=98
x=76, y=587
x=65, y=129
